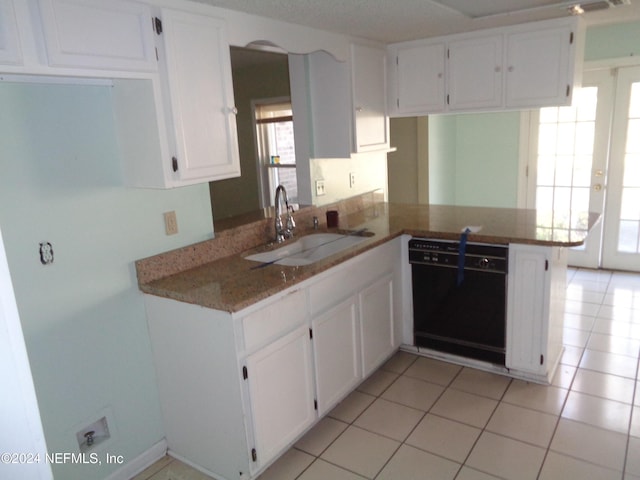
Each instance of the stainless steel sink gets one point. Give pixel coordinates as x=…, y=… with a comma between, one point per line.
x=308, y=249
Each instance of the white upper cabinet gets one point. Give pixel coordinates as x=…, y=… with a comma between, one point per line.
x=198, y=93
x=475, y=73
x=113, y=35
x=539, y=67
x=530, y=65
x=10, y=51
x=345, y=101
x=418, y=71
x=369, y=77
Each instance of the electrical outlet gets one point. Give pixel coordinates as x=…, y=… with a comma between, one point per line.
x=352, y=179
x=320, y=188
x=46, y=253
x=170, y=223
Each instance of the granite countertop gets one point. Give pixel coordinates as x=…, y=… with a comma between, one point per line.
x=229, y=283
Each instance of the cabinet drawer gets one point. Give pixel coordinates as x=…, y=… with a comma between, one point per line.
x=274, y=320
x=360, y=272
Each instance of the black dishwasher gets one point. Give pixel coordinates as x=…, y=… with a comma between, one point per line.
x=459, y=297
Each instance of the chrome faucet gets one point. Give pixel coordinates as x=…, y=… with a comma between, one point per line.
x=286, y=231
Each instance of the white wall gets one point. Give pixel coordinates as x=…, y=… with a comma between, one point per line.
x=370, y=170
x=21, y=430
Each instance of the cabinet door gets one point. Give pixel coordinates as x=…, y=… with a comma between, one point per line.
x=527, y=308
x=368, y=75
x=113, y=35
x=280, y=380
x=200, y=89
x=336, y=353
x=420, y=79
x=539, y=67
x=10, y=52
x=475, y=73
x=376, y=323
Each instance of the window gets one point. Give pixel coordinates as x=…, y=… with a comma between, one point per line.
x=276, y=149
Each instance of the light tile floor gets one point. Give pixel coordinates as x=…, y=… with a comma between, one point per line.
x=418, y=418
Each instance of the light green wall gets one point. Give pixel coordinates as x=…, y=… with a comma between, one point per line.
x=442, y=159
x=486, y=159
x=472, y=159
x=83, y=316
x=612, y=41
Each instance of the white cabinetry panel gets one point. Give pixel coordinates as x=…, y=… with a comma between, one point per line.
x=236, y=389
x=535, y=298
x=282, y=392
x=113, y=35
x=475, y=73
x=369, y=77
x=539, y=67
x=376, y=324
x=271, y=322
x=419, y=72
x=528, y=65
x=200, y=97
x=10, y=51
x=527, y=303
x=337, y=353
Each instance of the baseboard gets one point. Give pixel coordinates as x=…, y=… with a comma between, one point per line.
x=142, y=461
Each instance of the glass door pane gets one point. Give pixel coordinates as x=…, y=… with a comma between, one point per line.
x=565, y=161
x=571, y=151
x=622, y=217
x=629, y=222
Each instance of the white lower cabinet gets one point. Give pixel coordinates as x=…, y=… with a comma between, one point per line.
x=237, y=389
x=376, y=324
x=336, y=353
x=281, y=393
x=535, y=300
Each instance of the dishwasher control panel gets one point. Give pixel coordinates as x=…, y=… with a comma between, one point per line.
x=443, y=253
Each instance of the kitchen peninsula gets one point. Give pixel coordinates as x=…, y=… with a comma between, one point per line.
x=234, y=337
x=213, y=273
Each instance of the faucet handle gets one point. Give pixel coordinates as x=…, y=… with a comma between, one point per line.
x=291, y=224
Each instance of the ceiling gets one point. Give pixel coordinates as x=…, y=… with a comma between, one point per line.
x=391, y=21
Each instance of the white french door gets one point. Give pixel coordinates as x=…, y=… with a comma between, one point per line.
x=622, y=213
x=587, y=159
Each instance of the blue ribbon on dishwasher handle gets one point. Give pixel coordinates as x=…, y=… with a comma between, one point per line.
x=461, y=252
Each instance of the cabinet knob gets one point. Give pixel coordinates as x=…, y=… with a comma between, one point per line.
x=440, y=75
x=498, y=69
x=359, y=109
x=597, y=187
x=233, y=110
x=511, y=68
